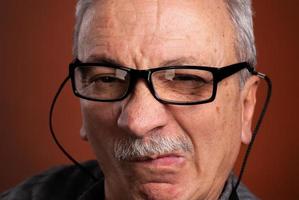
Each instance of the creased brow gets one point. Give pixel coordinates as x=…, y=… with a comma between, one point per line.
x=180, y=61
x=173, y=62
x=105, y=60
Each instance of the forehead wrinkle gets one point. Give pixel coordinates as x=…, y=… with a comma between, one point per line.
x=168, y=32
x=162, y=33
x=98, y=27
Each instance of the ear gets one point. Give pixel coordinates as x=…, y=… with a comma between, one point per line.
x=248, y=98
x=83, y=134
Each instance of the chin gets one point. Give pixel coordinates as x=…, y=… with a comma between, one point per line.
x=161, y=191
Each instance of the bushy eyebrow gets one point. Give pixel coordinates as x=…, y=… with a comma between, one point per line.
x=105, y=60
x=172, y=62
x=179, y=61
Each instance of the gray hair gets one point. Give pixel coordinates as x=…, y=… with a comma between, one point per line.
x=240, y=13
x=82, y=7
x=241, y=16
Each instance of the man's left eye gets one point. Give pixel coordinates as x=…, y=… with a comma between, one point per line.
x=188, y=77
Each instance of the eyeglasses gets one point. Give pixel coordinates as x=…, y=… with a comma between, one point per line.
x=180, y=85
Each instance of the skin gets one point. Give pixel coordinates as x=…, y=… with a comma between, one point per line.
x=148, y=34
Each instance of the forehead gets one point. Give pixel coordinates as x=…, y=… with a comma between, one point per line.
x=152, y=31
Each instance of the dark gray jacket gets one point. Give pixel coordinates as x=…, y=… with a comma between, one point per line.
x=69, y=182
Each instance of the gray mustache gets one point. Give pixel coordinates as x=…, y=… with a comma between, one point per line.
x=130, y=148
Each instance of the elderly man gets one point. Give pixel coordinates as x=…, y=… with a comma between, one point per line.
x=166, y=99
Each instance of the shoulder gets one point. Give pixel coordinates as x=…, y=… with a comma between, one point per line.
x=63, y=182
x=243, y=192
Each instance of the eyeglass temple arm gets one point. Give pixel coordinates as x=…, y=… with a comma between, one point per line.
x=224, y=72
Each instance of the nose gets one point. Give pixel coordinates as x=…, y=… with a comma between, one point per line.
x=141, y=113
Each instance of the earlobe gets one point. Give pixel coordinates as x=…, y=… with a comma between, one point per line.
x=83, y=134
x=248, y=105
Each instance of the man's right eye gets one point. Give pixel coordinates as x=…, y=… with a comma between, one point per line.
x=104, y=79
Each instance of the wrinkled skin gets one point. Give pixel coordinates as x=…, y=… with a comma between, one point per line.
x=146, y=34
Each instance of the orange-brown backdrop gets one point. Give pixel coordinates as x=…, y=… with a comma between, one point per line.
x=35, y=49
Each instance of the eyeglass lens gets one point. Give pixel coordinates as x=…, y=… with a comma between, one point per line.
x=183, y=85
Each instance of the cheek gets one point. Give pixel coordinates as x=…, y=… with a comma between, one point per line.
x=214, y=128
x=98, y=115
x=99, y=121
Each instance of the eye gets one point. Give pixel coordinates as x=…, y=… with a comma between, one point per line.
x=189, y=77
x=104, y=79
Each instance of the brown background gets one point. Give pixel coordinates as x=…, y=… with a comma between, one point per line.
x=35, y=49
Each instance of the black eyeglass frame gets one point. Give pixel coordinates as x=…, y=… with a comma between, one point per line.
x=218, y=75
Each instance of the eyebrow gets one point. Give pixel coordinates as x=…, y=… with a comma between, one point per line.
x=172, y=62
x=104, y=60
x=179, y=61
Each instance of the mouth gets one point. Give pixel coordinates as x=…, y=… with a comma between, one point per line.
x=159, y=160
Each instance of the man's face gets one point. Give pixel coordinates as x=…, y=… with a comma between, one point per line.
x=149, y=34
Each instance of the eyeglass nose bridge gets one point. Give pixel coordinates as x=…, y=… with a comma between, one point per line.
x=137, y=74
x=141, y=74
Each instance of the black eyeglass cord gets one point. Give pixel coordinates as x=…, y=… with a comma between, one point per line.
x=55, y=138
x=233, y=195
